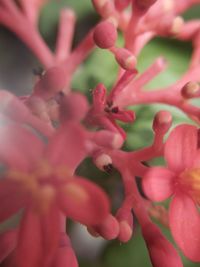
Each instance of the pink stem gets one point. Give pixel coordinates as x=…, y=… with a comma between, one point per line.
x=18, y=24
x=149, y=74
x=65, y=34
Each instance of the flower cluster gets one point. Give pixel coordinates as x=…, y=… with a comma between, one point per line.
x=45, y=136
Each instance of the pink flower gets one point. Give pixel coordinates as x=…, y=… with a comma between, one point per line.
x=40, y=178
x=181, y=179
x=104, y=114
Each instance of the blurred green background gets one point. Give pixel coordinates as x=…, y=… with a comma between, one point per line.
x=16, y=75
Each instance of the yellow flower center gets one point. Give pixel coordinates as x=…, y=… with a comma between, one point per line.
x=38, y=183
x=190, y=180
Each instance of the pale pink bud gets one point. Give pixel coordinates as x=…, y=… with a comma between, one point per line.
x=125, y=58
x=162, y=121
x=103, y=161
x=125, y=219
x=105, y=34
x=190, y=90
x=177, y=25
x=108, y=139
x=109, y=229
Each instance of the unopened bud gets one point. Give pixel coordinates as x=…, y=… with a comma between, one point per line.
x=177, y=25
x=125, y=231
x=105, y=34
x=162, y=121
x=190, y=90
x=108, y=139
x=125, y=219
x=102, y=161
x=125, y=58
x=109, y=229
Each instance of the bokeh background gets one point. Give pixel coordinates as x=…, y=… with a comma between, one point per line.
x=16, y=75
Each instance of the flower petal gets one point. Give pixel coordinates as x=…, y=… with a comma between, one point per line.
x=12, y=199
x=158, y=183
x=185, y=225
x=83, y=201
x=38, y=239
x=7, y=243
x=12, y=107
x=19, y=147
x=67, y=146
x=180, y=148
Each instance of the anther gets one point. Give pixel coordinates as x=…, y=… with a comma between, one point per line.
x=108, y=168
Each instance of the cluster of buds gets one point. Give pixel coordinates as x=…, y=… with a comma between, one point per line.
x=44, y=137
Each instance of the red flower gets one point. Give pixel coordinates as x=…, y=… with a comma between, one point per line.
x=181, y=179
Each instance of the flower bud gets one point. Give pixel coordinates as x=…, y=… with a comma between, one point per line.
x=125, y=58
x=190, y=90
x=162, y=121
x=109, y=229
x=177, y=25
x=108, y=139
x=125, y=219
x=103, y=161
x=105, y=34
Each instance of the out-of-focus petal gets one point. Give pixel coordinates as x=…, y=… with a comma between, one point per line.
x=14, y=109
x=38, y=239
x=7, y=243
x=73, y=107
x=185, y=225
x=158, y=183
x=83, y=201
x=65, y=255
x=19, y=148
x=12, y=199
x=67, y=146
x=180, y=148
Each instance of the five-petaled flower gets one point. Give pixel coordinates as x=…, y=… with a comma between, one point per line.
x=40, y=178
x=181, y=179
